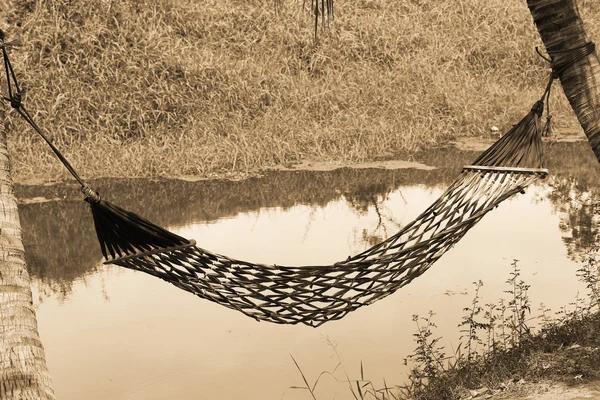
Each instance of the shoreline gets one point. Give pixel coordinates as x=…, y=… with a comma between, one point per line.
x=420, y=160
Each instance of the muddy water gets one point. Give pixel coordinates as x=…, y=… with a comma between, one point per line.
x=111, y=333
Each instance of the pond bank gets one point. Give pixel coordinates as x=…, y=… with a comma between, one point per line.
x=545, y=390
x=448, y=155
x=562, y=361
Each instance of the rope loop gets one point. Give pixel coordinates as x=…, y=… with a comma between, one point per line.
x=560, y=60
x=538, y=107
x=569, y=57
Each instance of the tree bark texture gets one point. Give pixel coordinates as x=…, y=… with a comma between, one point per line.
x=23, y=370
x=561, y=29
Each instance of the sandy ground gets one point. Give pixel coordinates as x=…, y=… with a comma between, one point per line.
x=317, y=165
x=548, y=391
x=312, y=165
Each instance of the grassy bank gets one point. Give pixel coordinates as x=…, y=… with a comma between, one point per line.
x=499, y=345
x=172, y=87
x=505, y=350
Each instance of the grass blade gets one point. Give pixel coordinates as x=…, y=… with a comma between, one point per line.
x=304, y=378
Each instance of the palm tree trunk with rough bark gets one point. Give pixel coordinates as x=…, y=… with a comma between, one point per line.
x=561, y=29
x=23, y=371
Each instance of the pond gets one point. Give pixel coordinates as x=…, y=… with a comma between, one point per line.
x=118, y=334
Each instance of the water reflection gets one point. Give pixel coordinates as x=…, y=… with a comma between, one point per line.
x=131, y=336
x=61, y=245
x=575, y=196
x=67, y=224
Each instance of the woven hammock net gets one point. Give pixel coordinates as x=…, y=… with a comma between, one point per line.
x=313, y=295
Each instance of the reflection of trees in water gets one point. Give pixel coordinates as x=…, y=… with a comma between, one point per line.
x=372, y=195
x=61, y=244
x=579, y=214
x=363, y=203
x=575, y=196
x=60, y=240
x=369, y=195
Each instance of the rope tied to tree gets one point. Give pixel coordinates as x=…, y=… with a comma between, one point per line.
x=560, y=61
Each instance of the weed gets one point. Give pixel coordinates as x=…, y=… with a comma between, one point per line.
x=428, y=357
x=311, y=389
x=589, y=273
x=471, y=324
x=490, y=326
x=518, y=306
x=361, y=388
x=545, y=319
x=504, y=327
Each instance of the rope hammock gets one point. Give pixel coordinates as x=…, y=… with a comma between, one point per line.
x=313, y=295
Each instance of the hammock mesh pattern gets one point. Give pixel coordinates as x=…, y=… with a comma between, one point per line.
x=314, y=295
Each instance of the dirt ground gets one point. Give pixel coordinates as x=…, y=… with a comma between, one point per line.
x=557, y=391
x=540, y=391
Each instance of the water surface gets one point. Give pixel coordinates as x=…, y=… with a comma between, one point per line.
x=118, y=334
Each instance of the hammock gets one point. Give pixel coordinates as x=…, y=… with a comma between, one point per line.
x=313, y=295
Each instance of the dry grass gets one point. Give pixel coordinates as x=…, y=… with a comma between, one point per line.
x=171, y=87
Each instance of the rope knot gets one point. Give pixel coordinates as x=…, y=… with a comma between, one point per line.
x=91, y=196
x=547, y=130
x=538, y=107
x=16, y=100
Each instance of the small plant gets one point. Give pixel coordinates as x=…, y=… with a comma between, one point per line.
x=518, y=305
x=589, y=274
x=544, y=317
x=504, y=335
x=472, y=325
x=490, y=326
x=576, y=310
x=428, y=355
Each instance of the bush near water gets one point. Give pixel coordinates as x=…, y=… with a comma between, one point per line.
x=176, y=87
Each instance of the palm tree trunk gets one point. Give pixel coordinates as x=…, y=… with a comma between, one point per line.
x=561, y=29
x=23, y=371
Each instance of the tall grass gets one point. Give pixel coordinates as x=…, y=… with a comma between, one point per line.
x=178, y=87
